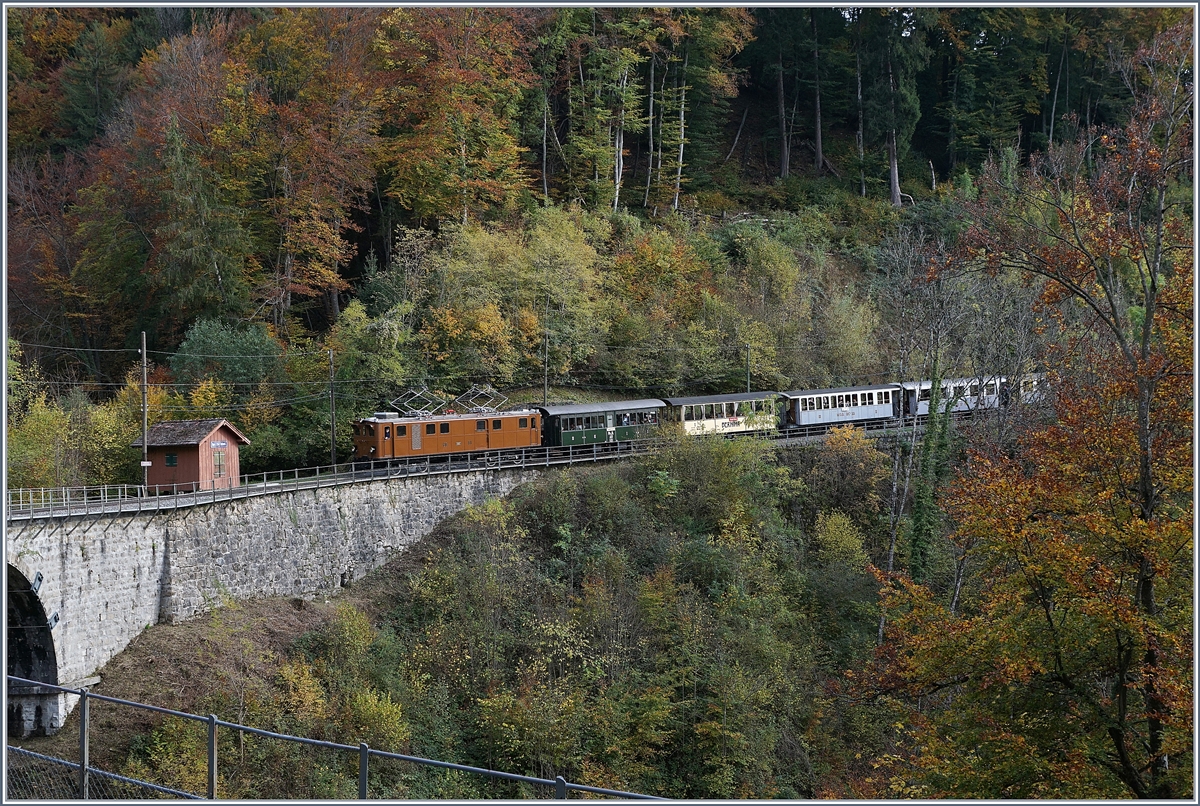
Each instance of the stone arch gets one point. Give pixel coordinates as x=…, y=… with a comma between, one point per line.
x=30, y=645
x=31, y=654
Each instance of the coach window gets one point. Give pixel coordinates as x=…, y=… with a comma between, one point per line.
x=496, y=424
x=990, y=389
x=974, y=390
x=401, y=430
x=924, y=394
x=430, y=428
x=445, y=429
x=885, y=397
x=854, y=400
x=960, y=391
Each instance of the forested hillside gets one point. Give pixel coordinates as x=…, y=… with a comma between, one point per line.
x=638, y=202
x=620, y=199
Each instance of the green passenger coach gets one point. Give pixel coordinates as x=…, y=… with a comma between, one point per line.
x=592, y=423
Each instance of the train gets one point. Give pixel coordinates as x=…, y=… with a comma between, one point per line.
x=393, y=436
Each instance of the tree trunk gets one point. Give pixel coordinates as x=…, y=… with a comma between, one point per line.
x=682, y=130
x=784, y=157
x=545, y=126
x=893, y=150
x=619, y=144
x=1054, y=102
x=858, y=135
x=820, y=158
x=650, y=134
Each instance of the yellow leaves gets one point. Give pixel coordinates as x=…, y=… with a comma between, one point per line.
x=839, y=541
x=302, y=695
x=210, y=398
x=374, y=718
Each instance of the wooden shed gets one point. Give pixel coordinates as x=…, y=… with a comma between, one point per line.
x=192, y=454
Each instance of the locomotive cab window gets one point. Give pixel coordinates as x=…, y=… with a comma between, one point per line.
x=523, y=422
x=387, y=432
x=496, y=424
x=481, y=425
x=445, y=429
x=401, y=430
x=430, y=428
x=533, y=422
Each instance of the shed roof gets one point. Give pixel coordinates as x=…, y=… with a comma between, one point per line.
x=185, y=432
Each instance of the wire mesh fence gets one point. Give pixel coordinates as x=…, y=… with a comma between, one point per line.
x=37, y=777
x=227, y=760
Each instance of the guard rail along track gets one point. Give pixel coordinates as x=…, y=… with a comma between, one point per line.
x=65, y=502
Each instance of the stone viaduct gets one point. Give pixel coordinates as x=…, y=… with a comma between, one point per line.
x=82, y=586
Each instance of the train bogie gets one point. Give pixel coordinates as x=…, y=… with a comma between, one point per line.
x=724, y=414
x=847, y=405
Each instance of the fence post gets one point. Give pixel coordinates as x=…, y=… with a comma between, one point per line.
x=560, y=788
x=364, y=758
x=83, y=744
x=212, y=756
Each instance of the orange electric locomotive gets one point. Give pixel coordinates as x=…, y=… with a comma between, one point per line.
x=390, y=435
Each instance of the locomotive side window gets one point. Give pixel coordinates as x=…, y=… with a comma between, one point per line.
x=496, y=424
x=481, y=425
x=445, y=429
x=523, y=423
x=401, y=430
x=430, y=428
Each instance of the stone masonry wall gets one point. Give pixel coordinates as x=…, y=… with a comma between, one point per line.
x=109, y=577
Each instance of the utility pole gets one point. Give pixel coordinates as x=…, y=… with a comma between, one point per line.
x=145, y=421
x=332, y=417
x=747, y=367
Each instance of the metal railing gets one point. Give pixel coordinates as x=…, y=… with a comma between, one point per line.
x=85, y=773
x=62, y=502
